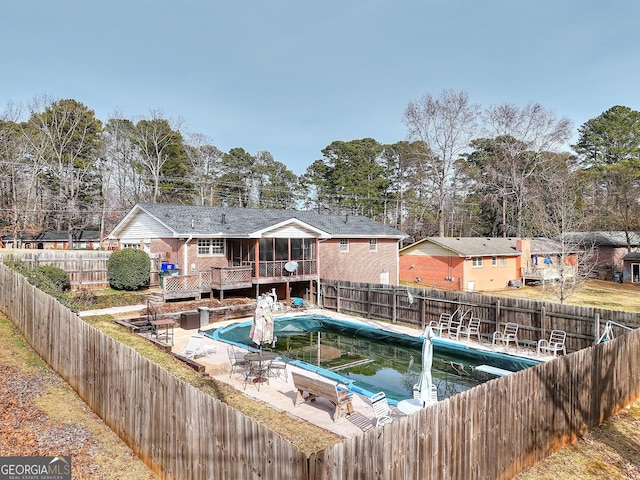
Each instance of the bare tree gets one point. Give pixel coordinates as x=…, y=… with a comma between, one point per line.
x=524, y=138
x=558, y=215
x=18, y=175
x=64, y=136
x=205, y=160
x=445, y=125
x=156, y=137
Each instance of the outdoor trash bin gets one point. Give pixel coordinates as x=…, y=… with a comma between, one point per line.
x=189, y=320
x=204, y=316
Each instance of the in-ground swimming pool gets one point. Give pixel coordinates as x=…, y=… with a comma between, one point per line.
x=371, y=359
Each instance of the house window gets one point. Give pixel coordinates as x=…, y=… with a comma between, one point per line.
x=494, y=261
x=210, y=246
x=503, y=261
x=344, y=245
x=373, y=244
x=477, y=262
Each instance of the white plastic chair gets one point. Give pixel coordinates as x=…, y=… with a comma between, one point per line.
x=508, y=335
x=555, y=343
x=444, y=322
x=472, y=328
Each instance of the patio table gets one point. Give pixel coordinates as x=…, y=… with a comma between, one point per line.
x=410, y=405
x=258, y=370
x=166, y=323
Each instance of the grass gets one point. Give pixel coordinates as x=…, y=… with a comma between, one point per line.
x=593, y=293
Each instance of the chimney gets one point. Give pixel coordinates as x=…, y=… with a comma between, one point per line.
x=223, y=220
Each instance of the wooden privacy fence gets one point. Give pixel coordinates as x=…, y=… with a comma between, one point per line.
x=492, y=431
x=180, y=432
x=498, y=429
x=86, y=268
x=418, y=307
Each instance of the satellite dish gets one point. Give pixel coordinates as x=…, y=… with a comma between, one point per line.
x=291, y=267
x=410, y=297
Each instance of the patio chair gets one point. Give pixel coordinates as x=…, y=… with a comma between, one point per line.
x=195, y=348
x=472, y=328
x=456, y=324
x=555, y=343
x=381, y=409
x=434, y=393
x=279, y=368
x=443, y=323
x=236, y=359
x=508, y=335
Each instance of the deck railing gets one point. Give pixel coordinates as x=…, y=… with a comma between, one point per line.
x=548, y=273
x=277, y=268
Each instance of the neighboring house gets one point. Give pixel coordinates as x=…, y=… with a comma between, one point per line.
x=609, y=247
x=631, y=267
x=257, y=250
x=481, y=263
x=462, y=263
x=541, y=259
x=58, y=239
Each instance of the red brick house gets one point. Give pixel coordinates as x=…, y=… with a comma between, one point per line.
x=482, y=263
x=250, y=250
x=461, y=263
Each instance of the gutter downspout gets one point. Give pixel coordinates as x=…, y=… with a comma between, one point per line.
x=185, y=255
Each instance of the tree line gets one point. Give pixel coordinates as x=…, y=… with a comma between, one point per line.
x=461, y=170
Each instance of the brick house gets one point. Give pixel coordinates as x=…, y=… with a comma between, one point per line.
x=253, y=251
x=481, y=263
x=609, y=247
x=462, y=263
x=58, y=239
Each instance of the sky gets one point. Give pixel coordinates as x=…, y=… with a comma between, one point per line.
x=290, y=77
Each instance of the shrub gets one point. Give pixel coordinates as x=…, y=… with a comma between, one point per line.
x=128, y=269
x=58, y=276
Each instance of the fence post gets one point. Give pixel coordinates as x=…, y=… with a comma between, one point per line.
x=80, y=273
x=497, y=315
x=393, y=306
x=543, y=333
x=596, y=328
x=368, y=300
x=423, y=310
x=338, y=297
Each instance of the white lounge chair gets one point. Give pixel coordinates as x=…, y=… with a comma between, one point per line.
x=381, y=408
x=555, y=343
x=195, y=348
x=508, y=335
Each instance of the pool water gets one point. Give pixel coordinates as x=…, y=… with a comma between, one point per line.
x=371, y=359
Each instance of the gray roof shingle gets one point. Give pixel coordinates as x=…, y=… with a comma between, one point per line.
x=478, y=246
x=240, y=222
